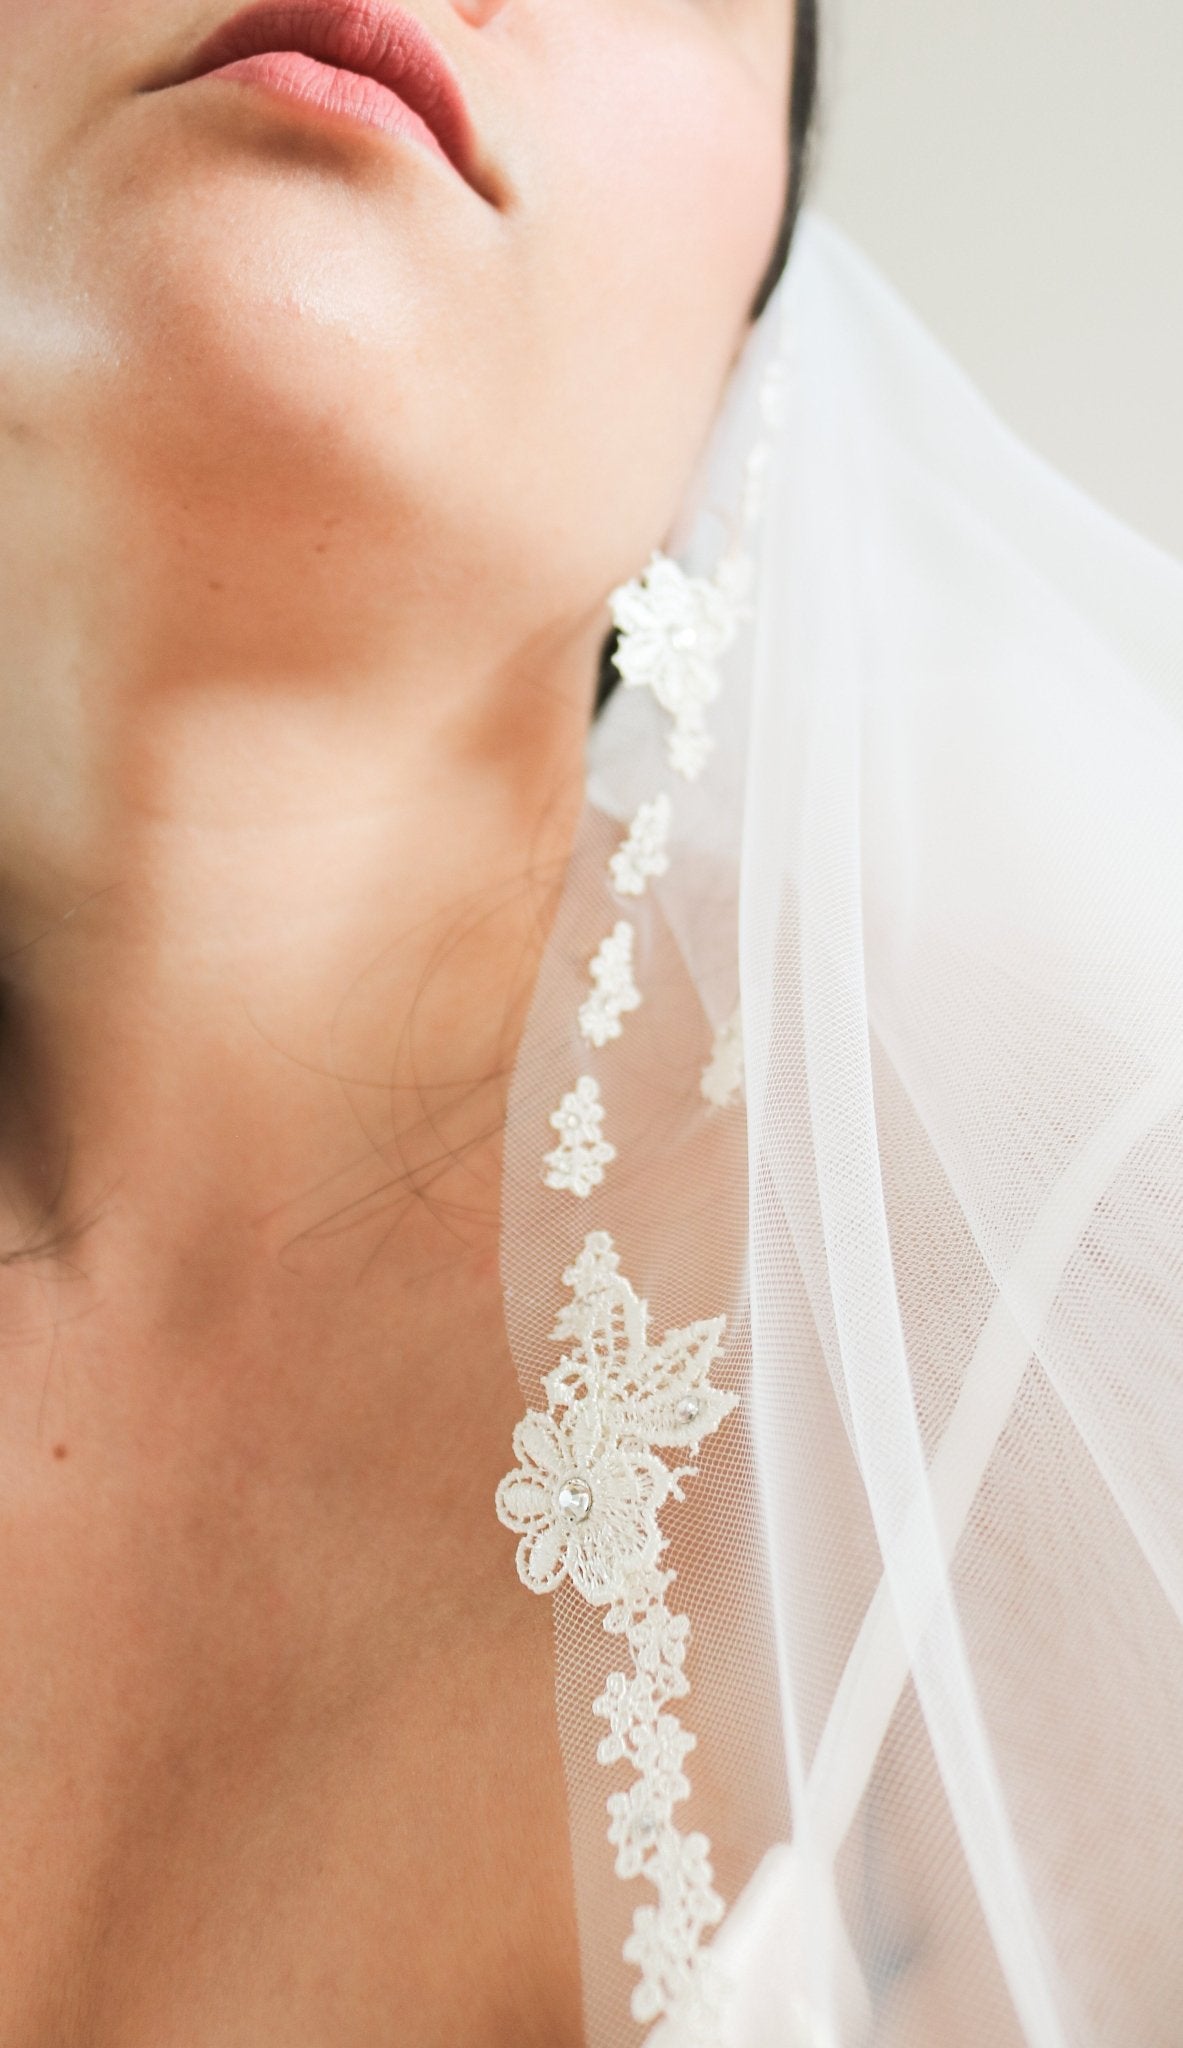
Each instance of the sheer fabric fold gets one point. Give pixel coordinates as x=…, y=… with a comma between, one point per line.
x=932, y=1563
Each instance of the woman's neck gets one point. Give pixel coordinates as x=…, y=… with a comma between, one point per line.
x=267, y=930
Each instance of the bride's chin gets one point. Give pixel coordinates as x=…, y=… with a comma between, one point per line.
x=258, y=265
x=289, y=367
x=277, y=267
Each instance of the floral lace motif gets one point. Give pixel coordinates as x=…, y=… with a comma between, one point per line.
x=584, y=1501
x=578, y=1160
x=613, y=992
x=643, y=853
x=722, y=1077
x=672, y=629
x=590, y=1482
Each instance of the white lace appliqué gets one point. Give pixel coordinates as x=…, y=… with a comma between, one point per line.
x=613, y=991
x=642, y=854
x=584, y=1500
x=597, y=1465
x=722, y=1077
x=578, y=1160
x=673, y=628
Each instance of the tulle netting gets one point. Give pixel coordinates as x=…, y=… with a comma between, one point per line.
x=933, y=1562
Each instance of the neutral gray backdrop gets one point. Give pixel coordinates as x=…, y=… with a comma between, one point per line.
x=1016, y=167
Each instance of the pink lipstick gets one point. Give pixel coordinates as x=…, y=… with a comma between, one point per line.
x=358, y=59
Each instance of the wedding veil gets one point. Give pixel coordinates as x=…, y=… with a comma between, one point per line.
x=856, y=1066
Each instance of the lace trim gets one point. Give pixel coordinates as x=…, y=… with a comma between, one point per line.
x=672, y=629
x=584, y=1501
x=578, y=1160
x=613, y=991
x=722, y=1077
x=643, y=853
x=589, y=1484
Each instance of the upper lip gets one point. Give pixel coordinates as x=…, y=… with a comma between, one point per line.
x=379, y=41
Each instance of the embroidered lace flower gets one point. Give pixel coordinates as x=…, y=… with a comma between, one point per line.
x=578, y=1160
x=585, y=1506
x=672, y=629
x=614, y=991
x=586, y=1493
x=584, y=1501
x=666, y=1935
x=643, y=853
x=722, y=1077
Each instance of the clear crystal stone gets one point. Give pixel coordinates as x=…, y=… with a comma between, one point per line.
x=689, y=1408
x=574, y=1499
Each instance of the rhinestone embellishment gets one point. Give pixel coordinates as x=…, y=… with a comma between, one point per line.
x=578, y=1160
x=584, y=1501
x=598, y=1463
x=574, y=1499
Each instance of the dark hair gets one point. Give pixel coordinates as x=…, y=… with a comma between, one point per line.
x=802, y=107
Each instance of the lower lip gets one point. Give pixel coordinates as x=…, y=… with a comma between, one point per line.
x=292, y=76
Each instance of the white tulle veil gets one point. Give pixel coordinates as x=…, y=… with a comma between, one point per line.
x=861, y=1028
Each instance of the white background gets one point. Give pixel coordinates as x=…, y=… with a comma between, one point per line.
x=1016, y=168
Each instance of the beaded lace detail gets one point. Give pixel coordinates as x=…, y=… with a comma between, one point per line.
x=673, y=628
x=584, y=1501
x=596, y=1466
x=578, y=1160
